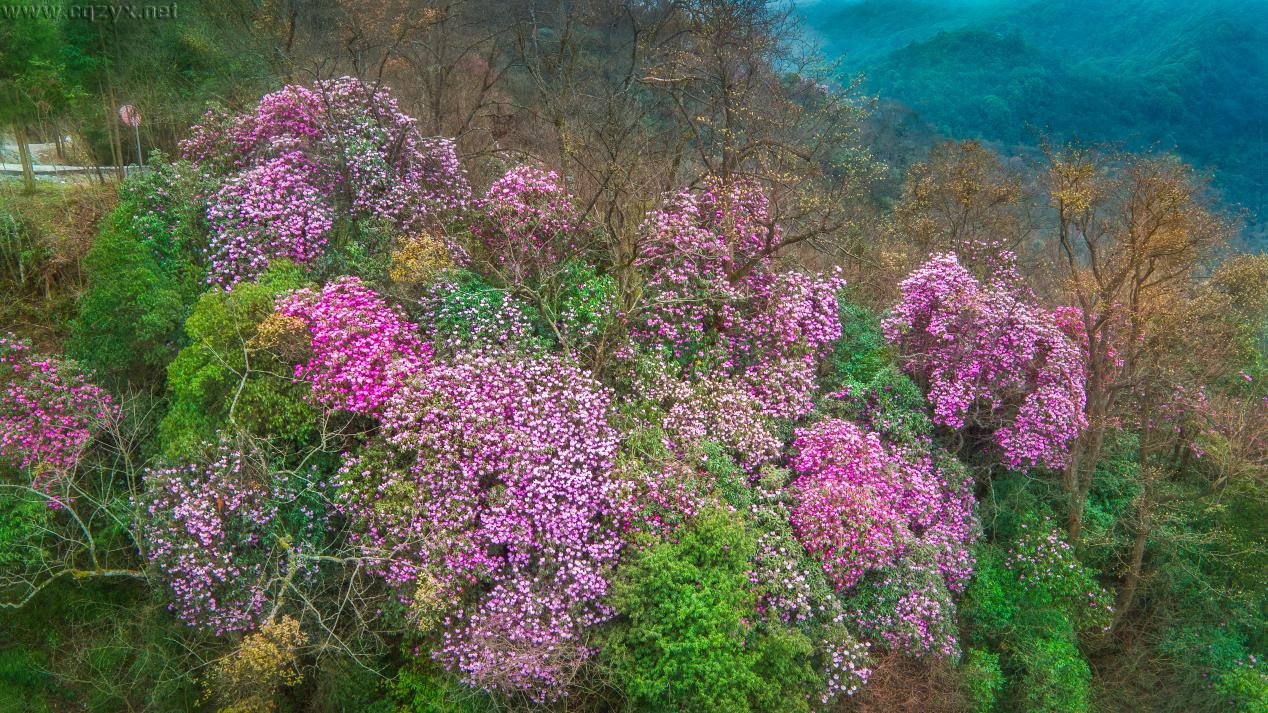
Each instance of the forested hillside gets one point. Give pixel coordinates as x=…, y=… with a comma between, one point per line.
x=447, y=357
x=1147, y=74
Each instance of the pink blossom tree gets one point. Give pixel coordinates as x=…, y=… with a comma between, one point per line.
x=713, y=296
x=991, y=359
x=528, y=223
x=506, y=483
x=304, y=158
x=205, y=528
x=861, y=503
x=230, y=536
x=49, y=411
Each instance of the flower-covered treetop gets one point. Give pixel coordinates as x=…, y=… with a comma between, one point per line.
x=308, y=156
x=991, y=359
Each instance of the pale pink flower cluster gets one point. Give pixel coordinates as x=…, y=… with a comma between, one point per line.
x=789, y=596
x=510, y=485
x=846, y=667
x=714, y=300
x=206, y=530
x=528, y=222
x=717, y=410
x=306, y=157
x=909, y=608
x=659, y=501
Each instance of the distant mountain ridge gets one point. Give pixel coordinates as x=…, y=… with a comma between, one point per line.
x=1188, y=76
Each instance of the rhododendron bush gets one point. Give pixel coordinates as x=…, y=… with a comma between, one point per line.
x=48, y=411
x=307, y=156
x=529, y=222
x=886, y=520
x=362, y=349
x=714, y=296
x=206, y=533
x=992, y=360
x=502, y=505
x=213, y=526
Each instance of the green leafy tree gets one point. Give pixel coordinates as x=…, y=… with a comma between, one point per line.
x=228, y=376
x=982, y=679
x=689, y=638
x=143, y=282
x=1052, y=674
x=32, y=81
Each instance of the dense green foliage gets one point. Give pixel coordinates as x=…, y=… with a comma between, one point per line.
x=142, y=283
x=690, y=641
x=224, y=376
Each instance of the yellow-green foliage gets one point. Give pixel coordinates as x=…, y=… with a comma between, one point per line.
x=418, y=259
x=228, y=376
x=249, y=679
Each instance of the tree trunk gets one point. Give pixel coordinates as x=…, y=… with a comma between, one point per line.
x=1145, y=504
x=1127, y=595
x=116, y=142
x=24, y=157
x=1079, y=477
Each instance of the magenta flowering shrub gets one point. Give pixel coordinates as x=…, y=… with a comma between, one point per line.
x=284, y=121
x=990, y=359
x=212, y=144
x=49, y=411
x=860, y=505
x=305, y=157
x=850, y=530
x=362, y=349
x=724, y=230
x=892, y=526
x=276, y=209
x=713, y=297
x=206, y=528
x=779, y=333
x=508, y=485
x=528, y=222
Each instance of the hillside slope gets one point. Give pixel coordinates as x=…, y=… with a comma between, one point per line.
x=1189, y=77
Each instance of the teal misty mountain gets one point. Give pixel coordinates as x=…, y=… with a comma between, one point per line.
x=1167, y=74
